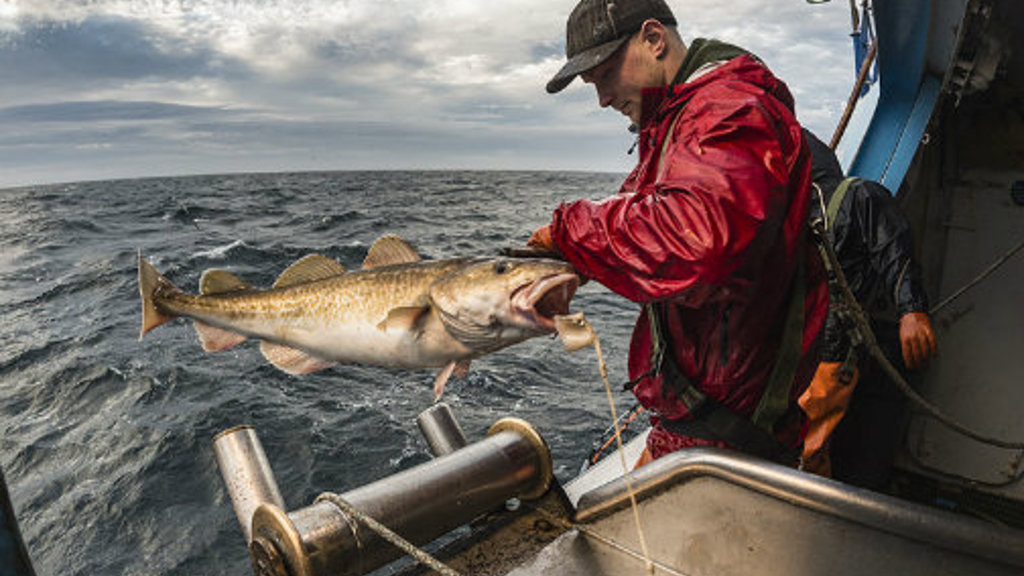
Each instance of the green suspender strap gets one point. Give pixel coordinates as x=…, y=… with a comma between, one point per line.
x=709, y=419
x=832, y=210
x=775, y=400
x=846, y=371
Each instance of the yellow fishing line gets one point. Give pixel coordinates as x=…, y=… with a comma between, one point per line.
x=576, y=333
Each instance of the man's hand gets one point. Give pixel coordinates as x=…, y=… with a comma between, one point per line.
x=917, y=339
x=541, y=240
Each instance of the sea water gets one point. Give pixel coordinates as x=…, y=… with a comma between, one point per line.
x=106, y=440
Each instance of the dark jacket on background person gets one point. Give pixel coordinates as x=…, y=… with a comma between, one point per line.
x=854, y=410
x=710, y=228
x=875, y=247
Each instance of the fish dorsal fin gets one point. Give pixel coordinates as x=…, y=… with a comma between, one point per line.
x=292, y=361
x=309, y=269
x=390, y=250
x=216, y=281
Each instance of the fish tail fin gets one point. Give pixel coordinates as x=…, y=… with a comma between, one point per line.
x=149, y=282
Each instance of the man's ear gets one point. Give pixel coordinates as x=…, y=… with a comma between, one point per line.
x=654, y=37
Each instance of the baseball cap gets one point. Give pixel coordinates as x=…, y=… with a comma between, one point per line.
x=597, y=28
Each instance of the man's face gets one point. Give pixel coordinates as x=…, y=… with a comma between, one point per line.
x=620, y=79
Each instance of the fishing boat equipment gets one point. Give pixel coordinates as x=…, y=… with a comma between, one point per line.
x=440, y=429
x=246, y=474
x=387, y=534
x=605, y=441
x=421, y=503
x=865, y=48
x=978, y=279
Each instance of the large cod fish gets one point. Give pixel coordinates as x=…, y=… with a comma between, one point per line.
x=397, y=311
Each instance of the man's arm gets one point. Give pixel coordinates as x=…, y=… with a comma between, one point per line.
x=891, y=246
x=722, y=199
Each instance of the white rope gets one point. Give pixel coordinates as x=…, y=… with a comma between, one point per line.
x=386, y=533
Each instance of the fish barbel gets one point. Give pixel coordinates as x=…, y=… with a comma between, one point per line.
x=397, y=311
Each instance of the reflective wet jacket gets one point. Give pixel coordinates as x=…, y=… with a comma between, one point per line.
x=709, y=227
x=874, y=245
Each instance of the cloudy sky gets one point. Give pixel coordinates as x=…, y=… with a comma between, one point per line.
x=95, y=89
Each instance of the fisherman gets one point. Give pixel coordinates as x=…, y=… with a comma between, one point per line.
x=874, y=246
x=708, y=233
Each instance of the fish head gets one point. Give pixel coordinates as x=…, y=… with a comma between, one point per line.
x=492, y=303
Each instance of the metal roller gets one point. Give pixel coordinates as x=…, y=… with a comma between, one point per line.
x=246, y=473
x=440, y=429
x=421, y=504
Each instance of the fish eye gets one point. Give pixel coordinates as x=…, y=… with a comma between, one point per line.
x=502, y=267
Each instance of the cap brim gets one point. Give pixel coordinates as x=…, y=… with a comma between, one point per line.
x=582, y=62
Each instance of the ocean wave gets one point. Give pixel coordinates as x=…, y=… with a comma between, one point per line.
x=130, y=423
x=218, y=253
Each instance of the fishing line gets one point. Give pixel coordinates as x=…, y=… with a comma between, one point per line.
x=577, y=333
x=627, y=550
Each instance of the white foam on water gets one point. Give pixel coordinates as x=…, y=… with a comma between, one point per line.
x=218, y=252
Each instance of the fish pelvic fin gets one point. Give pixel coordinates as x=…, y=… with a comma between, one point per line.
x=441, y=379
x=462, y=369
x=151, y=285
x=457, y=368
x=291, y=360
x=216, y=339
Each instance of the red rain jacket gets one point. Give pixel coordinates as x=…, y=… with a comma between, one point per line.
x=712, y=229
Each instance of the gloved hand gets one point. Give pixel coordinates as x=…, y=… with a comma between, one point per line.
x=541, y=240
x=917, y=339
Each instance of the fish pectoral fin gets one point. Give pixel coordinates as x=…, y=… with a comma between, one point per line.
x=405, y=318
x=215, y=281
x=291, y=360
x=390, y=250
x=441, y=379
x=307, y=269
x=216, y=339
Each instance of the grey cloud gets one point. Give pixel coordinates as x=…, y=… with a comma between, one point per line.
x=546, y=50
x=103, y=48
x=108, y=95
x=106, y=110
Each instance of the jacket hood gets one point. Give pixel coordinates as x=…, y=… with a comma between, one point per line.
x=825, y=169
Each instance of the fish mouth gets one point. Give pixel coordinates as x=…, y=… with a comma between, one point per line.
x=538, y=302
